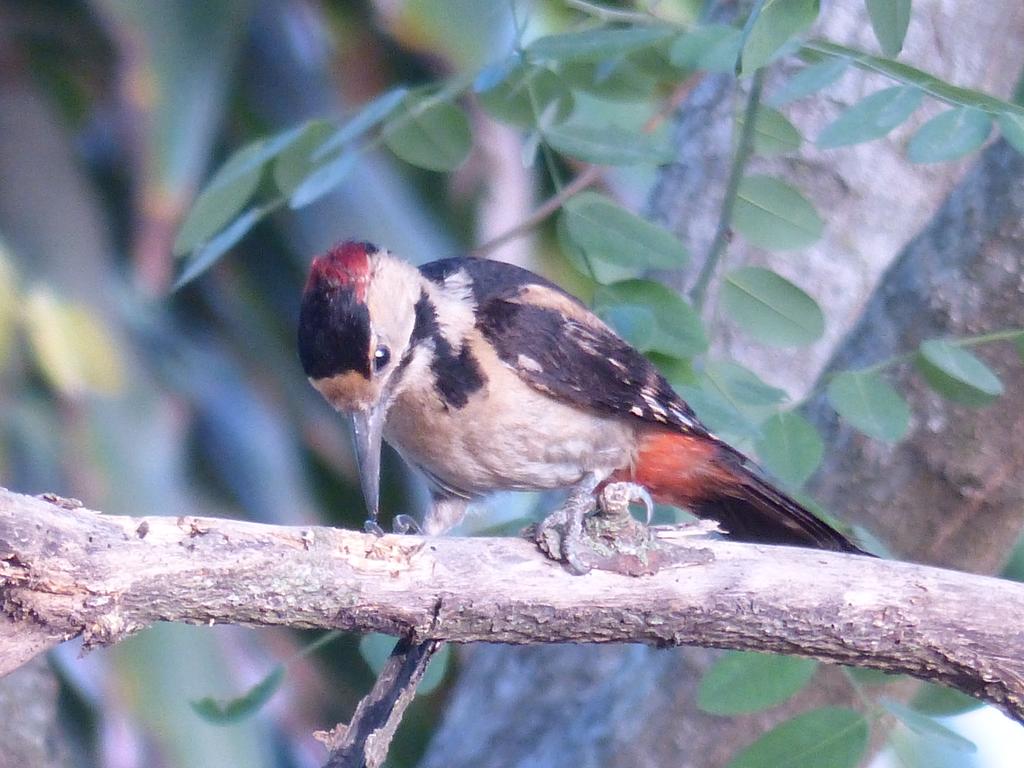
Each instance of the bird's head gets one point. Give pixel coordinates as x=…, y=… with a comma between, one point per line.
x=355, y=330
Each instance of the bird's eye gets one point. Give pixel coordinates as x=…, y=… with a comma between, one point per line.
x=381, y=358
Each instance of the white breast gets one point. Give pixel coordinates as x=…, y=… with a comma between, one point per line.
x=509, y=436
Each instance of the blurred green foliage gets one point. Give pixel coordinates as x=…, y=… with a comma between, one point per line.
x=316, y=123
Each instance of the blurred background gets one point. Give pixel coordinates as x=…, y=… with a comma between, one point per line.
x=112, y=115
x=137, y=399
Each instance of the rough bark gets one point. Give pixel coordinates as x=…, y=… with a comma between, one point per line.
x=956, y=480
x=102, y=577
x=872, y=199
x=945, y=495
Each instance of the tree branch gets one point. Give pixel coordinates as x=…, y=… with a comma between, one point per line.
x=72, y=572
x=365, y=741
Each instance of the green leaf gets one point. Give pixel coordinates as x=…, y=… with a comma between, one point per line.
x=634, y=323
x=607, y=145
x=732, y=400
x=295, y=163
x=772, y=214
x=770, y=308
x=950, y=136
x=809, y=80
x=228, y=191
x=72, y=348
x=766, y=33
x=614, y=80
x=525, y=94
x=871, y=118
x=376, y=648
x=907, y=75
x=928, y=727
x=208, y=255
x=1014, y=567
x=869, y=403
x=429, y=134
x=742, y=389
x=677, y=370
x=1012, y=127
x=323, y=179
x=609, y=232
x=956, y=374
x=940, y=701
x=654, y=61
x=713, y=48
x=790, y=447
x=773, y=133
x=372, y=114
x=718, y=413
x=889, y=19
x=597, y=45
x=740, y=682
x=218, y=203
x=233, y=710
x=677, y=330
x=597, y=269
x=829, y=737
x=497, y=72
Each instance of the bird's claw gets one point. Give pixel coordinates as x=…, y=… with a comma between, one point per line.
x=615, y=499
x=560, y=534
x=560, y=537
x=372, y=526
x=610, y=540
x=406, y=524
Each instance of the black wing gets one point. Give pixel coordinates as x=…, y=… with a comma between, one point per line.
x=560, y=347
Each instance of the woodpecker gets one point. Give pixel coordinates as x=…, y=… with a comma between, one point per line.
x=488, y=377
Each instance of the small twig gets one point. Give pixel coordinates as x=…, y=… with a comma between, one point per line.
x=744, y=148
x=679, y=95
x=591, y=174
x=606, y=13
x=366, y=740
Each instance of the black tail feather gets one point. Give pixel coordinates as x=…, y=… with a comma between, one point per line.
x=756, y=511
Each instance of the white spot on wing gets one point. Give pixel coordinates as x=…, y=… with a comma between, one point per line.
x=652, y=402
x=527, y=363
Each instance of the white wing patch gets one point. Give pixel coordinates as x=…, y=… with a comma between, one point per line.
x=456, y=308
x=527, y=363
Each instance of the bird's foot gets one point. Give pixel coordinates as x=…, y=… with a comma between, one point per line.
x=406, y=524
x=372, y=526
x=560, y=534
x=615, y=499
x=608, y=538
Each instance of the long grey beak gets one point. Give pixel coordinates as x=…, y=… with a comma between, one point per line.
x=367, y=429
